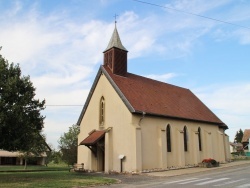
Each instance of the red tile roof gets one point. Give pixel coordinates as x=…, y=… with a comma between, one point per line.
x=246, y=135
x=93, y=138
x=162, y=99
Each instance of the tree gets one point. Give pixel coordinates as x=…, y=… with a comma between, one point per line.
x=20, y=120
x=55, y=157
x=36, y=149
x=238, y=136
x=68, y=145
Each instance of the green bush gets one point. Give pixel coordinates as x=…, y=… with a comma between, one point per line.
x=239, y=153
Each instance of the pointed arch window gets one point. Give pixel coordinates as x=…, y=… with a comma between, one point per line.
x=185, y=138
x=168, y=134
x=199, y=139
x=102, y=111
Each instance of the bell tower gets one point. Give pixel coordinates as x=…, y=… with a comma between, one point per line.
x=115, y=55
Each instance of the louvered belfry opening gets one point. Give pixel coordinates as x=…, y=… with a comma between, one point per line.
x=116, y=60
x=115, y=55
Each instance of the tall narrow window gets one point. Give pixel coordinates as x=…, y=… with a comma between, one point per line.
x=185, y=138
x=168, y=134
x=199, y=138
x=102, y=111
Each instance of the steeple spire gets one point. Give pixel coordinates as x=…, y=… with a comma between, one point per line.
x=115, y=55
x=115, y=41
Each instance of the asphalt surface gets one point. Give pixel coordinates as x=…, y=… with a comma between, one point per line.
x=129, y=180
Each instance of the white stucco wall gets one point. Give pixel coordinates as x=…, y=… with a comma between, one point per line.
x=119, y=140
x=154, y=136
x=143, y=140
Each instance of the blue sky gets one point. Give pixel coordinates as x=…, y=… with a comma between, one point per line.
x=59, y=44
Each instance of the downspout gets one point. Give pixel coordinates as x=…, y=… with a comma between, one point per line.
x=138, y=142
x=224, y=144
x=143, y=116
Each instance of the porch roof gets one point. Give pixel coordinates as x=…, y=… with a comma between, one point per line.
x=93, y=138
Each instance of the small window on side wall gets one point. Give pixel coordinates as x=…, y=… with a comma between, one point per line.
x=168, y=134
x=199, y=139
x=102, y=112
x=185, y=138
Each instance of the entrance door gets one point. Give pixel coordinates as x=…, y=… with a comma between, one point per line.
x=101, y=155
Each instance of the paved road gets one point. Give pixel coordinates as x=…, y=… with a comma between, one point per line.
x=236, y=176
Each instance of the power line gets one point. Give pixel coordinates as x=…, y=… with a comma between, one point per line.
x=191, y=13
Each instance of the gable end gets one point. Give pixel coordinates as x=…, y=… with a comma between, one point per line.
x=121, y=95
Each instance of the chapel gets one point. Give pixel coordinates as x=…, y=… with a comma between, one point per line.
x=131, y=123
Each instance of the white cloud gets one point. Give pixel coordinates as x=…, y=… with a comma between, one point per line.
x=243, y=35
x=60, y=52
x=60, y=55
x=143, y=38
x=230, y=103
x=162, y=77
x=192, y=27
x=17, y=6
x=196, y=6
x=233, y=98
x=55, y=127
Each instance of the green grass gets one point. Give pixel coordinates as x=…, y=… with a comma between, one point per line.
x=240, y=158
x=9, y=168
x=50, y=179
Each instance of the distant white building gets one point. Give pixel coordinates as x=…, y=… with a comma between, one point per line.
x=15, y=158
x=235, y=147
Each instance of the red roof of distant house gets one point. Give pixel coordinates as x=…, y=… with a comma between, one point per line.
x=246, y=135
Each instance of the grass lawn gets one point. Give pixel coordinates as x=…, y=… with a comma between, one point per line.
x=8, y=168
x=57, y=179
x=50, y=179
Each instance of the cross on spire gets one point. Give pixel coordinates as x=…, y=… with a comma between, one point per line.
x=115, y=16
